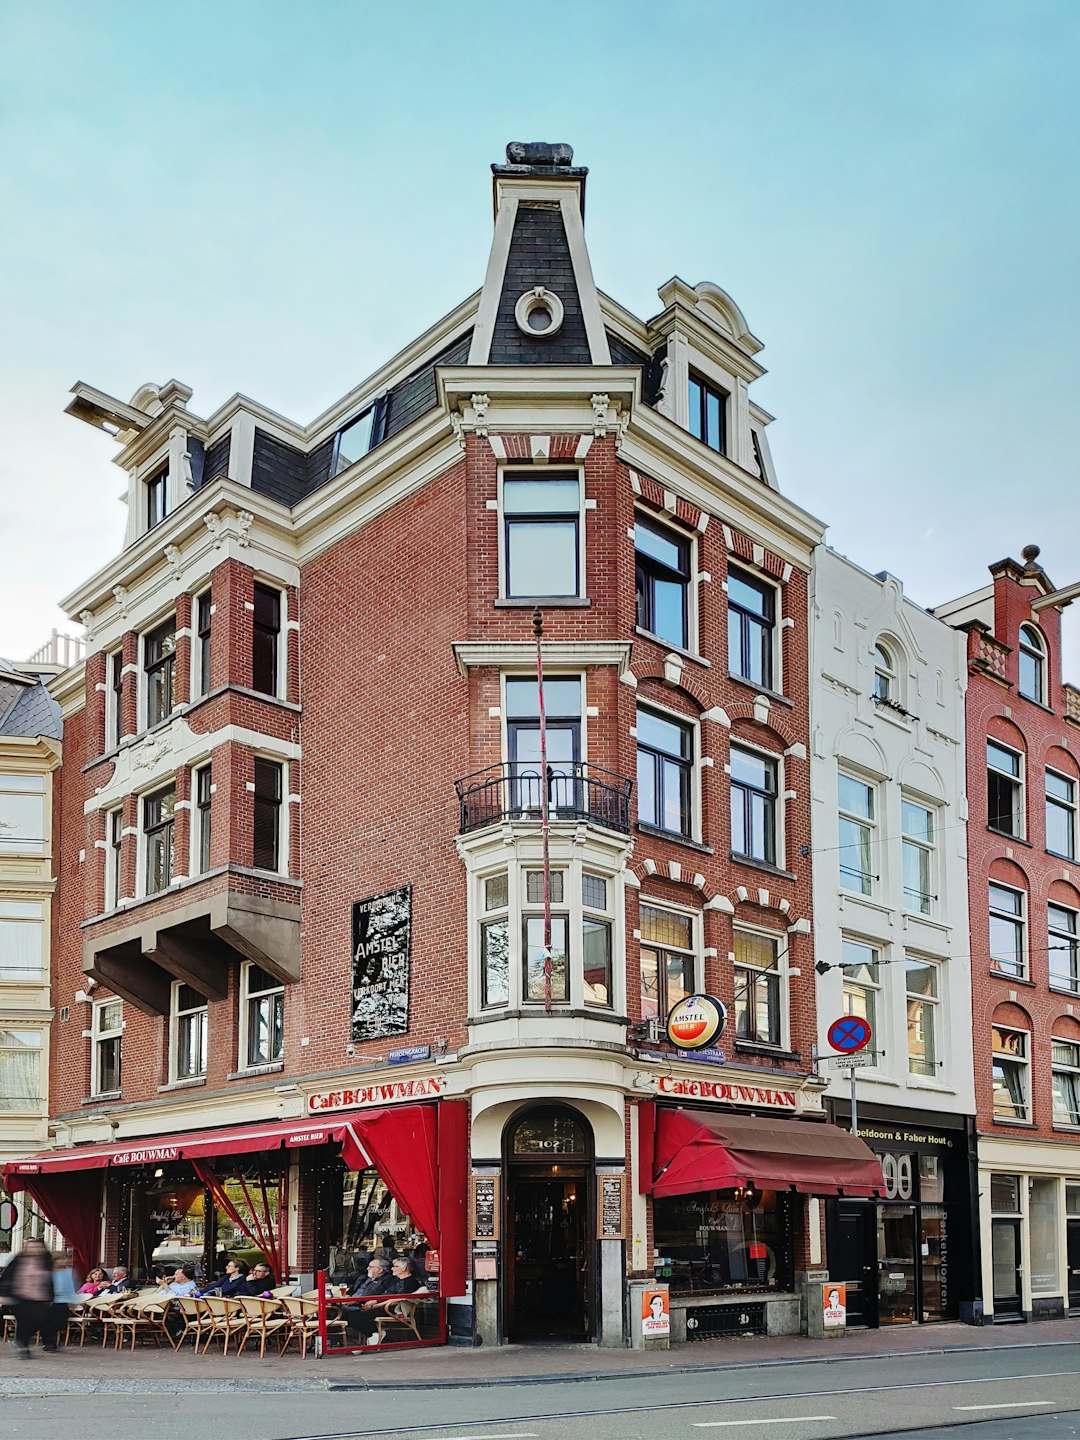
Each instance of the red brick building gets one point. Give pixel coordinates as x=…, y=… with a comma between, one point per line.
x=319, y=981
x=1023, y=731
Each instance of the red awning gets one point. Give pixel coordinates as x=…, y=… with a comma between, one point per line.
x=710, y=1150
x=157, y=1149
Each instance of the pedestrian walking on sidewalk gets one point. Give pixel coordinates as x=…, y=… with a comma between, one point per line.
x=27, y=1282
x=64, y=1297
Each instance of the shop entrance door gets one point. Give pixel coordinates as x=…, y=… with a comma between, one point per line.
x=1072, y=1230
x=896, y=1264
x=1005, y=1249
x=852, y=1259
x=550, y=1235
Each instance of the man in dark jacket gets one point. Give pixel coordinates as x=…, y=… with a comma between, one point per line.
x=378, y=1281
x=120, y=1284
x=260, y=1281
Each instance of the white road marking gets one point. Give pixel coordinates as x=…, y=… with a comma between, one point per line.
x=1006, y=1405
x=786, y=1420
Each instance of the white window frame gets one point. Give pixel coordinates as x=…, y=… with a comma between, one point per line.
x=1070, y=1069
x=522, y=470
x=1023, y=1062
x=176, y=1017
x=40, y=1051
x=694, y=726
x=683, y=537
x=1055, y=934
x=22, y=784
x=143, y=696
x=930, y=1072
x=684, y=912
x=780, y=943
x=776, y=647
x=886, y=673
x=1067, y=806
x=872, y=988
x=26, y=912
x=1031, y=641
x=929, y=848
x=1017, y=918
x=502, y=914
x=247, y=998
x=98, y=1034
x=870, y=825
x=1019, y=783
x=776, y=759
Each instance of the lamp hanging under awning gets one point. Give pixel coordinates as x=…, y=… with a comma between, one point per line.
x=697, y=1150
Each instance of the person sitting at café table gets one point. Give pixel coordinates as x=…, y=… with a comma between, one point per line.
x=95, y=1282
x=401, y=1278
x=235, y=1276
x=182, y=1283
x=260, y=1281
x=120, y=1283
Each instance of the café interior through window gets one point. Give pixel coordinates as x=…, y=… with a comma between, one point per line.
x=723, y=1240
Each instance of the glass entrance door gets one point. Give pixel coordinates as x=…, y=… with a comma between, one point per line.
x=1005, y=1251
x=896, y=1264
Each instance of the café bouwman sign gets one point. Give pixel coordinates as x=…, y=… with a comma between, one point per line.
x=381, y=945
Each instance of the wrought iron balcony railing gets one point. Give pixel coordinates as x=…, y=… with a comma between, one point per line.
x=515, y=792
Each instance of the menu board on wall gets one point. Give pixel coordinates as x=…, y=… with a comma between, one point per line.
x=485, y=1207
x=381, y=943
x=610, y=1223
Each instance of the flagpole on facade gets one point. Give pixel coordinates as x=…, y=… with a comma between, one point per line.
x=538, y=631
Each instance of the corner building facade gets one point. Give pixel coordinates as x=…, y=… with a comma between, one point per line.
x=302, y=820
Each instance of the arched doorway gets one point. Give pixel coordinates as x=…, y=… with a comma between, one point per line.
x=549, y=1267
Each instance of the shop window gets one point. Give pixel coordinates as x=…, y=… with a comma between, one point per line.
x=159, y=653
x=266, y=641
x=1004, y=789
x=665, y=759
x=758, y=989
x=724, y=1240
x=662, y=570
x=918, y=827
x=114, y=700
x=267, y=812
x=541, y=535
x=204, y=794
x=862, y=981
x=1060, y=815
x=204, y=611
x=20, y=1070
x=708, y=413
x=1062, y=948
x=668, y=963
x=262, y=1010
x=857, y=826
x=1065, y=1076
x=22, y=815
x=754, y=786
x=188, y=1025
x=922, y=1016
x=1010, y=1073
x=1045, y=1258
x=114, y=840
x=1032, y=664
x=751, y=620
x=1008, y=950
x=157, y=812
x=22, y=942
x=157, y=498
x=106, y=1029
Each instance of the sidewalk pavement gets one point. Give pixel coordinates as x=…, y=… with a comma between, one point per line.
x=95, y=1370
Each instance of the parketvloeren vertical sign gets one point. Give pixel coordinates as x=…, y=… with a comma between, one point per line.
x=381, y=948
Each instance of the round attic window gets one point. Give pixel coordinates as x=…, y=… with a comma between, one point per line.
x=539, y=313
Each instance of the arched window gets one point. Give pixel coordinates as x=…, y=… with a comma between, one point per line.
x=885, y=686
x=1032, y=664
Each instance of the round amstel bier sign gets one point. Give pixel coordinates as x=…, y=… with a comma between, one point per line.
x=696, y=1021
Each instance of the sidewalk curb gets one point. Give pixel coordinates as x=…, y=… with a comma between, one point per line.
x=572, y=1377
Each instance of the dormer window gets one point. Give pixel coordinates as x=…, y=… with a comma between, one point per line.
x=1032, y=664
x=708, y=414
x=354, y=440
x=157, y=498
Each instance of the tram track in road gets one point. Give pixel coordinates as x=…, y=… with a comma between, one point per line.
x=485, y=1429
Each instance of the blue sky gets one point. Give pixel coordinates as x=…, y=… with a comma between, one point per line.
x=273, y=198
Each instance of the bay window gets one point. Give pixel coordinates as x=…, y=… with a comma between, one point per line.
x=22, y=942
x=22, y=815
x=20, y=1070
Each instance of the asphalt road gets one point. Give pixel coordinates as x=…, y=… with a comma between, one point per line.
x=1029, y=1394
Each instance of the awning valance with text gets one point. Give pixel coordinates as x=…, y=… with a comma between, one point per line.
x=684, y=1151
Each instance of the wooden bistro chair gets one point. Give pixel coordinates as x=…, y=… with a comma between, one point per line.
x=263, y=1318
x=226, y=1317
x=303, y=1317
x=130, y=1319
x=196, y=1320
x=400, y=1314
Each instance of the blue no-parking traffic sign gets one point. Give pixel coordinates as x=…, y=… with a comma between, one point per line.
x=849, y=1033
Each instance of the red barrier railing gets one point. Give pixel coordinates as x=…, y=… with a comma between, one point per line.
x=376, y=1308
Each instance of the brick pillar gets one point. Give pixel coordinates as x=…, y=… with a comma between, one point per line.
x=182, y=658
x=129, y=707
x=96, y=690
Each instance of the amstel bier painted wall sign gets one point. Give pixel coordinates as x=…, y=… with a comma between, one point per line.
x=696, y=1021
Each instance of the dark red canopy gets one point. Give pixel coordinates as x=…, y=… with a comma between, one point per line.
x=712, y=1150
